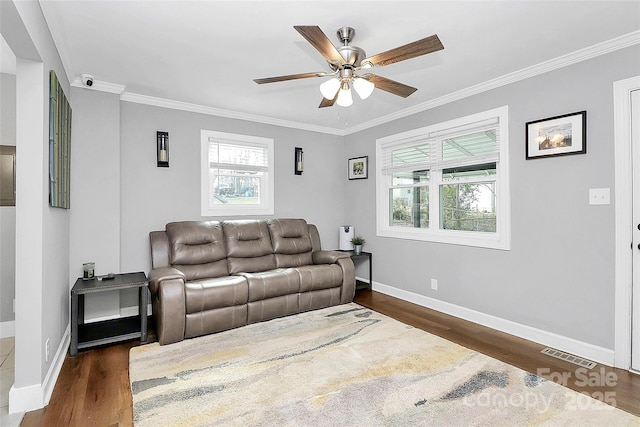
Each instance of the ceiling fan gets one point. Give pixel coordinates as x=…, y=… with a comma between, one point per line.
x=348, y=61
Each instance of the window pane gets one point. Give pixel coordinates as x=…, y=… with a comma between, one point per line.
x=471, y=145
x=409, y=207
x=475, y=171
x=237, y=189
x=408, y=178
x=468, y=207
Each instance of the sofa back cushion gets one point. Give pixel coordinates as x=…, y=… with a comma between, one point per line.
x=248, y=246
x=291, y=242
x=197, y=248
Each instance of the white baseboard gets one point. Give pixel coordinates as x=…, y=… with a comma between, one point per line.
x=8, y=329
x=569, y=345
x=36, y=396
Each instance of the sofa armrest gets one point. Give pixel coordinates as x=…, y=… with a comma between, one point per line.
x=343, y=259
x=168, y=300
x=328, y=257
x=157, y=275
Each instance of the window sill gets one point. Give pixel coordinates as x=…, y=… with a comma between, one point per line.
x=463, y=238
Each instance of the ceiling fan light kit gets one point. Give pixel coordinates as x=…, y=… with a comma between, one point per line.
x=346, y=61
x=344, y=95
x=363, y=87
x=329, y=88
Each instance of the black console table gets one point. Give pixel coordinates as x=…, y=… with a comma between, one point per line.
x=109, y=331
x=367, y=255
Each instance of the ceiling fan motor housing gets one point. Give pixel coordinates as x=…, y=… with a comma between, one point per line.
x=352, y=55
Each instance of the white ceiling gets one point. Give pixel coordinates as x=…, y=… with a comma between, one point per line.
x=207, y=53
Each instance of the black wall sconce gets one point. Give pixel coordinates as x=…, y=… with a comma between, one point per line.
x=163, y=149
x=298, y=165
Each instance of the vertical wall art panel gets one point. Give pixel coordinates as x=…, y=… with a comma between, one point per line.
x=59, y=145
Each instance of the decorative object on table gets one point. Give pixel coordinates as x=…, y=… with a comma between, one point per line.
x=59, y=145
x=88, y=270
x=358, y=167
x=345, y=365
x=346, y=234
x=357, y=243
x=298, y=165
x=557, y=136
x=162, y=142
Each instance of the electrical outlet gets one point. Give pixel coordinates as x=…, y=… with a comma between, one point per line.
x=434, y=284
x=46, y=350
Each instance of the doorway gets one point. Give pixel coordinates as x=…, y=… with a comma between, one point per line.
x=627, y=220
x=635, y=290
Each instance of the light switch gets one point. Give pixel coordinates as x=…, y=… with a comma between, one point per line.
x=599, y=196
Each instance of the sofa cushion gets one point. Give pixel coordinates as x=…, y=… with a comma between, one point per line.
x=248, y=246
x=201, y=295
x=197, y=248
x=291, y=242
x=316, y=277
x=274, y=283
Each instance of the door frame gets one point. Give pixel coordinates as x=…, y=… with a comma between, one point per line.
x=623, y=193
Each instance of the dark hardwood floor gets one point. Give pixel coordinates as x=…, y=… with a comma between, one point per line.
x=93, y=387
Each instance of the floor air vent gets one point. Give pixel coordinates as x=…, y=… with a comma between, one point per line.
x=569, y=358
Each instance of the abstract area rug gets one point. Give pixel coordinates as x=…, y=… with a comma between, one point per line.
x=344, y=366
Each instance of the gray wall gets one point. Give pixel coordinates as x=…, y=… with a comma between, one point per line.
x=152, y=196
x=7, y=213
x=95, y=193
x=559, y=274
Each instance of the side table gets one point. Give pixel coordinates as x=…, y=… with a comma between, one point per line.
x=108, y=331
x=367, y=255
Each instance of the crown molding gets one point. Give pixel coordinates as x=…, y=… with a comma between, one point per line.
x=100, y=86
x=203, y=109
x=593, y=51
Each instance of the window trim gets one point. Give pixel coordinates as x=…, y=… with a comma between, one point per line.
x=501, y=239
x=264, y=208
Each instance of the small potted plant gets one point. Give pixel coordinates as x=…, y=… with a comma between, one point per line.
x=357, y=243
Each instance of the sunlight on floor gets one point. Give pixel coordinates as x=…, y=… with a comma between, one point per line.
x=7, y=364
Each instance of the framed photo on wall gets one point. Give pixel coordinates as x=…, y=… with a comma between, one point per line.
x=358, y=167
x=557, y=136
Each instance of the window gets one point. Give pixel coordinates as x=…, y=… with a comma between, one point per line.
x=237, y=174
x=447, y=182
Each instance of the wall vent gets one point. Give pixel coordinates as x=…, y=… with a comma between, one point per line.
x=569, y=358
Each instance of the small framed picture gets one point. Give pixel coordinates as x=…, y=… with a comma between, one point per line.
x=358, y=167
x=557, y=136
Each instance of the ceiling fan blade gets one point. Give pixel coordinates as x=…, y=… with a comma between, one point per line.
x=408, y=51
x=328, y=102
x=319, y=40
x=289, y=77
x=390, y=86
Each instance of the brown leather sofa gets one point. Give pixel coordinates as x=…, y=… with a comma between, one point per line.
x=210, y=276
